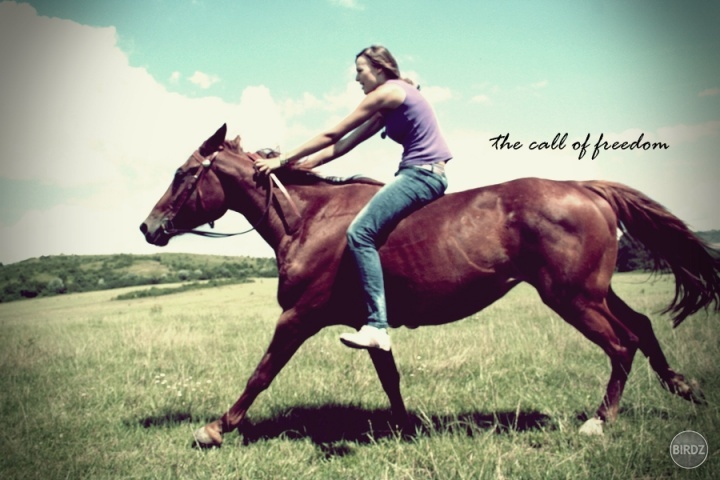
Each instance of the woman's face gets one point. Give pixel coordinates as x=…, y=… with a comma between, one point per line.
x=368, y=76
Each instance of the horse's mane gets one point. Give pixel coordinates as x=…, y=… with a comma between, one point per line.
x=307, y=177
x=301, y=177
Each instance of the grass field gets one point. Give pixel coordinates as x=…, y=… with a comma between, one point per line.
x=92, y=387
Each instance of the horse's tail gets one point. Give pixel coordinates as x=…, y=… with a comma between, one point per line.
x=673, y=246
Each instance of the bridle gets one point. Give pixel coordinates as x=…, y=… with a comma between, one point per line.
x=206, y=163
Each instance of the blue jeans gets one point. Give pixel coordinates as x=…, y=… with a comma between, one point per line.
x=411, y=189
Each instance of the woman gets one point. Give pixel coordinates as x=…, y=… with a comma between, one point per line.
x=408, y=119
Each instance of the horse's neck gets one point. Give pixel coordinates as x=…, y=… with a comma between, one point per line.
x=250, y=200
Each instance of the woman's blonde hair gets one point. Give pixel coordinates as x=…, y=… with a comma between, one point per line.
x=381, y=58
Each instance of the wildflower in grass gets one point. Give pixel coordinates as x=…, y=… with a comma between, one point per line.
x=181, y=392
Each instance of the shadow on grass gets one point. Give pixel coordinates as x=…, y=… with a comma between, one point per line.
x=170, y=419
x=332, y=427
x=335, y=423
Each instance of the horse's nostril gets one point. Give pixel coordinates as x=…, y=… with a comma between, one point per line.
x=143, y=228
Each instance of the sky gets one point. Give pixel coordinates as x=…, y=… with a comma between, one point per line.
x=101, y=101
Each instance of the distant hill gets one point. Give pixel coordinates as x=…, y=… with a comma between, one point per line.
x=53, y=275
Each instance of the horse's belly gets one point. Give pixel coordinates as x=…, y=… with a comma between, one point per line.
x=413, y=303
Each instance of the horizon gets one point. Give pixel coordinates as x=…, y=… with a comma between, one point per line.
x=272, y=255
x=101, y=102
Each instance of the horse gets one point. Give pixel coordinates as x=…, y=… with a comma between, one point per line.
x=445, y=262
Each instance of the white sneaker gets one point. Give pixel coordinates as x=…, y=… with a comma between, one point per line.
x=367, y=337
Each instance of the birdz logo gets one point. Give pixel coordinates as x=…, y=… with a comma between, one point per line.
x=688, y=449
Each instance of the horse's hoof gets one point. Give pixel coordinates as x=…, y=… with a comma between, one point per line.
x=696, y=395
x=205, y=437
x=688, y=389
x=594, y=426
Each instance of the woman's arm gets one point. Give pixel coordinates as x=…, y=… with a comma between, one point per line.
x=346, y=144
x=384, y=97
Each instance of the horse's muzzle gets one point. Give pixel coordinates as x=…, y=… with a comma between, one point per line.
x=157, y=236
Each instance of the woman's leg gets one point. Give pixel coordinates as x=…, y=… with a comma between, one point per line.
x=411, y=189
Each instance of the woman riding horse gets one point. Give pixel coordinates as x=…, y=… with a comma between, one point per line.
x=445, y=262
x=408, y=118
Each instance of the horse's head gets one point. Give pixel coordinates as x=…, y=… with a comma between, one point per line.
x=195, y=196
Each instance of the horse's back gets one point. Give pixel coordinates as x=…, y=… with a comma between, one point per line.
x=490, y=237
x=524, y=206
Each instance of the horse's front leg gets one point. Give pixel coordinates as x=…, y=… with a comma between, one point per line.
x=387, y=371
x=289, y=334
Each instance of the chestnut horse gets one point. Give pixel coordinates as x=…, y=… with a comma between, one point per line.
x=444, y=262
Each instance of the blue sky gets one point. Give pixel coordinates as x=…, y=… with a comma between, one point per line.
x=100, y=101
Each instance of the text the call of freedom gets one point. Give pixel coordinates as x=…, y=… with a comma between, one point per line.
x=503, y=142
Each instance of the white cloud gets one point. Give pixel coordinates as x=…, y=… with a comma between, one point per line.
x=351, y=4
x=437, y=95
x=259, y=119
x=80, y=113
x=344, y=101
x=338, y=101
x=203, y=80
x=481, y=99
x=307, y=102
x=74, y=112
x=679, y=134
x=41, y=86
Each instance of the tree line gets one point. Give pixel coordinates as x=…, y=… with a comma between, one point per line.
x=60, y=274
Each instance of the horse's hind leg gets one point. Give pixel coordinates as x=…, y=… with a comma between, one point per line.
x=594, y=320
x=640, y=325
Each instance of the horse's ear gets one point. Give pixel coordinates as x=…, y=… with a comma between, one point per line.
x=235, y=145
x=213, y=143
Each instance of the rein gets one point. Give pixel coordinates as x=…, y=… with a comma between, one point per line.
x=206, y=163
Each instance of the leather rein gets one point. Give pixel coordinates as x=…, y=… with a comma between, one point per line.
x=206, y=163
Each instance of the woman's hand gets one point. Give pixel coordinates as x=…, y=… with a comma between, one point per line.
x=265, y=166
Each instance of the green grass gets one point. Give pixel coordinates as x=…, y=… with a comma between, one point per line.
x=92, y=387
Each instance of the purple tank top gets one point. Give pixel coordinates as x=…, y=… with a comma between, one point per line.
x=413, y=125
